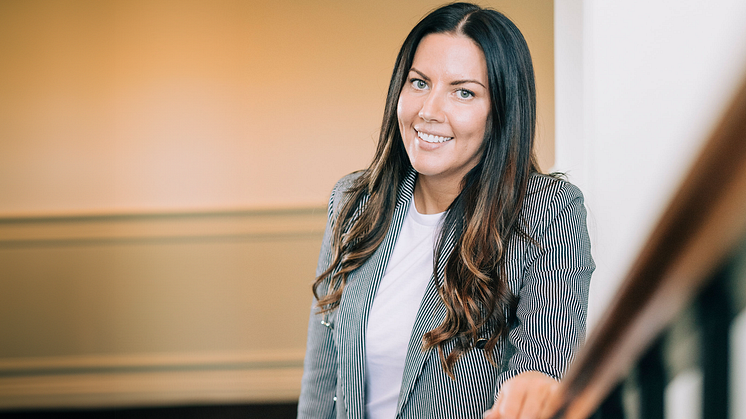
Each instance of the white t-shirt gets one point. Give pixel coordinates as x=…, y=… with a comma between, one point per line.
x=394, y=309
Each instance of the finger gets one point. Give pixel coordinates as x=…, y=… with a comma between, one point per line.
x=500, y=397
x=552, y=405
x=494, y=412
x=511, y=399
x=534, y=402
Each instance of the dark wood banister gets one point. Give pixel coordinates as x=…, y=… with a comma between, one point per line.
x=703, y=223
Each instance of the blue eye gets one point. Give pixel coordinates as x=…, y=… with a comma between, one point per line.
x=419, y=84
x=464, y=94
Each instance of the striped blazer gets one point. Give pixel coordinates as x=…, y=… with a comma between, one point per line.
x=550, y=277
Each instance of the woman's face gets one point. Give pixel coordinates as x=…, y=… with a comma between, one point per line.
x=444, y=106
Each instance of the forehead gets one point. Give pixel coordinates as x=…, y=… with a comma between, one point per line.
x=450, y=55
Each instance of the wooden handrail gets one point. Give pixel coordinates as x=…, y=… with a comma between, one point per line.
x=703, y=223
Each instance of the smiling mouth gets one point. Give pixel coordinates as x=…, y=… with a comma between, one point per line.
x=432, y=138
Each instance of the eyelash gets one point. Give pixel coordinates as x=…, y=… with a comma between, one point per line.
x=471, y=94
x=415, y=81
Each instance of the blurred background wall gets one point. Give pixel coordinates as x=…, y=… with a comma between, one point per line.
x=639, y=87
x=164, y=170
x=134, y=106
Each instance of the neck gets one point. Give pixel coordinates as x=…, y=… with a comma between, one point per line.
x=434, y=197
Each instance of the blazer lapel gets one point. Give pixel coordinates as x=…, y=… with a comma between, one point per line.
x=354, y=306
x=431, y=314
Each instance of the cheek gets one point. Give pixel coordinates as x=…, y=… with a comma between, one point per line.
x=479, y=122
x=399, y=109
x=400, y=116
x=470, y=124
x=406, y=109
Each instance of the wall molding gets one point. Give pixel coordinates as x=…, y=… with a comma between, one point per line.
x=156, y=305
x=247, y=224
x=150, y=379
x=76, y=363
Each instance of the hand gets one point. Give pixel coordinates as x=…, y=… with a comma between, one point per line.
x=529, y=395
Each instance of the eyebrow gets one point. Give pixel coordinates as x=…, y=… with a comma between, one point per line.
x=453, y=83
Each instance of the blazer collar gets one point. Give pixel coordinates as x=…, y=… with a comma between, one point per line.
x=354, y=307
x=431, y=314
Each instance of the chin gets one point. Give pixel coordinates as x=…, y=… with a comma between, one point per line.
x=426, y=171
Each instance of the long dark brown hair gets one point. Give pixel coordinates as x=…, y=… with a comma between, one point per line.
x=484, y=216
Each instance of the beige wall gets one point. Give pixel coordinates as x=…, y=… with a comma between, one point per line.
x=163, y=171
x=122, y=106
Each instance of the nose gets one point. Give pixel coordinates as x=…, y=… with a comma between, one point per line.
x=432, y=108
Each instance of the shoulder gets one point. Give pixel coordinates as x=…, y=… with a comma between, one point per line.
x=340, y=190
x=548, y=196
x=346, y=182
x=541, y=187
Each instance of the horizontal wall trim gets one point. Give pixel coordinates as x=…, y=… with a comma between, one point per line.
x=79, y=229
x=150, y=379
x=145, y=388
x=50, y=364
x=54, y=218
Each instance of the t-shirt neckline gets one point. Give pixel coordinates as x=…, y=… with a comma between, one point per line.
x=424, y=219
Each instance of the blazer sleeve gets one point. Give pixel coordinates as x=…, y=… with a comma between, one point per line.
x=318, y=387
x=553, y=296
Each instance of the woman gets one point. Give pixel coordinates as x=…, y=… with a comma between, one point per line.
x=452, y=276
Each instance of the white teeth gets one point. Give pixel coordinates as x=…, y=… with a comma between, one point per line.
x=433, y=138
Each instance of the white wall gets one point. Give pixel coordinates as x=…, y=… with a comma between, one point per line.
x=639, y=85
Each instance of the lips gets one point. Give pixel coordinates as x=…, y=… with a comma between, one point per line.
x=430, y=138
